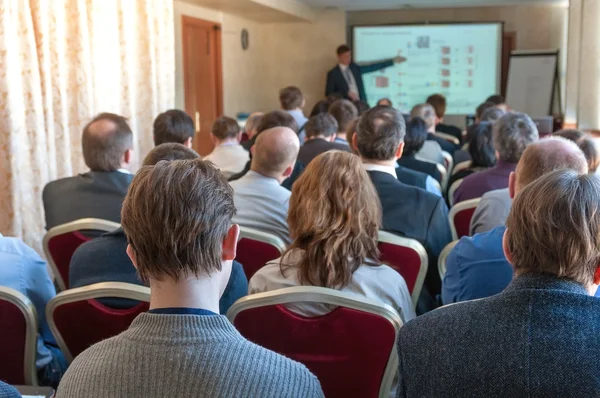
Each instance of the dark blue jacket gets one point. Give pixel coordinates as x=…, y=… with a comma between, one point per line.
x=336, y=83
x=538, y=338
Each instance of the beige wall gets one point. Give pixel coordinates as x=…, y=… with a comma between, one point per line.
x=298, y=53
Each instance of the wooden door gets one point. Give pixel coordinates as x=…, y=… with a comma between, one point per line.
x=509, y=44
x=202, y=77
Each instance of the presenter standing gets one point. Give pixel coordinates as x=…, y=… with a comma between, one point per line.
x=346, y=78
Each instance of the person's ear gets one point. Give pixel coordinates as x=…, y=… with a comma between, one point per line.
x=213, y=139
x=188, y=142
x=131, y=255
x=128, y=157
x=288, y=171
x=399, y=150
x=506, y=249
x=355, y=142
x=512, y=182
x=230, y=243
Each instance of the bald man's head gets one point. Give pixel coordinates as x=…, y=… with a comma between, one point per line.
x=545, y=156
x=107, y=143
x=275, y=152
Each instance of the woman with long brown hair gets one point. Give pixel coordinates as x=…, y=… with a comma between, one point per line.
x=334, y=217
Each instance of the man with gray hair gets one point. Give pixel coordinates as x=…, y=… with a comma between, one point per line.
x=511, y=133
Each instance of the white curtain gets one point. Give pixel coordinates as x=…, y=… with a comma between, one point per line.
x=61, y=63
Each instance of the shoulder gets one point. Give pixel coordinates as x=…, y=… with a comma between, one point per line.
x=479, y=247
x=56, y=186
x=15, y=246
x=333, y=70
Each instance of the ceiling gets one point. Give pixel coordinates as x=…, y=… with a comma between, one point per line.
x=391, y=4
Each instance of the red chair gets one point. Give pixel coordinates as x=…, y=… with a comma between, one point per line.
x=351, y=350
x=408, y=257
x=18, y=328
x=460, y=216
x=61, y=242
x=78, y=321
x=256, y=248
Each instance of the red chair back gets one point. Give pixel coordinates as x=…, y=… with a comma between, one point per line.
x=61, y=248
x=347, y=349
x=460, y=217
x=256, y=248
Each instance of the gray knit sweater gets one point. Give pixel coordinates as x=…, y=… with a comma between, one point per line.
x=163, y=355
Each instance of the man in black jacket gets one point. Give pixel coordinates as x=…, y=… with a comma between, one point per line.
x=320, y=133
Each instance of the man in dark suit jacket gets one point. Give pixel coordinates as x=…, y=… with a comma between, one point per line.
x=107, y=143
x=539, y=337
x=320, y=133
x=345, y=79
x=407, y=210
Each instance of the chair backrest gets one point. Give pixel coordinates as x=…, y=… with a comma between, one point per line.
x=450, y=138
x=256, y=248
x=351, y=350
x=77, y=320
x=443, y=257
x=444, y=173
x=453, y=189
x=462, y=166
x=18, y=328
x=448, y=162
x=408, y=257
x=460, y=216
x=61, y=242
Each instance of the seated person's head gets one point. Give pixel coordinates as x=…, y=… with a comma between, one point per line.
x=169, y=152
x=543, y=157
x=416, y=135
x=554, y=228
x=492, y=114
x=379, y=135
x=275, y=153
x=438, y=101
x=384, y=102
x=512, y=133
x=498, y=101
x=291, y=98
x=252, y=123
x=178, y=242
x=276, y=119
x=361, y=107
x=336, y=236
x=322, y=126
x=427, y=113
x=482, y=108
x=107, y=143
x=225, y=129
x=174, y=126
x=586, y=144
x=320, y=107
x=481, y=147
x=344, y=112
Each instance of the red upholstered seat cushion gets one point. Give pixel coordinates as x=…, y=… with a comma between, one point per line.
x=346, y=349
x=13, y=329
x=404, y=260
x=84, y=323
x=462, y=221
x=61, y=249
x=254, y=254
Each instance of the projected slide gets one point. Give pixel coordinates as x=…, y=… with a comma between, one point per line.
x=461, y=61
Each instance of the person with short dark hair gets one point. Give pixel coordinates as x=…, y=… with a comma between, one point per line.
x=174, y=126
x=415, y=138
x=292, y=101
x=384, y=102
x=320, y=107
x=492, y=115
x=320, y=134
x=481, y=151
x=438, y=101
x=228, y=155
x=345, y=78
x=407, y=210
x=182, y=346
x=482, y=108
x=511, y=135
x=498, y=101
x=344, y=112
x=587, y=145
x=104, y=259
x=107, y=144
x=539, y=336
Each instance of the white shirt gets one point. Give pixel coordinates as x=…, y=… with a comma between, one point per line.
x=349, y=77
x=384, y=169
x=230, y=158
x=380, y=283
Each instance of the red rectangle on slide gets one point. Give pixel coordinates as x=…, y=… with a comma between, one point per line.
x=445, y=72
x=382, y=82
x=445, y=83
x=445, y=50
x=445, y=61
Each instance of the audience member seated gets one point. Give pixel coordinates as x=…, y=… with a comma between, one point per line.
x=335, y=242
x=511, y=135
x=498, y=101
x=22, y=269
x=105, y=259
x=586, y=144
x=492, y=115
x=385, y=102
x=181, y=347
x=174, y=126
x=320, y=133
x=429, y=151
x=320, y=107
x=538, y=336
x=416, y=136
x=481, y=109
x=481, y=151
x=438, y=101
x=407, y=210
x=250, y=128
x=344, y=111
x=292, y=101
x=228, y=155
x=107, y=144
x=476, y=267
x=261, y=202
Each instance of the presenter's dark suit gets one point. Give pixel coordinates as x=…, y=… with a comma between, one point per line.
x=94, y=194
x=538, y=338
x=416, y=214
x=336, y=82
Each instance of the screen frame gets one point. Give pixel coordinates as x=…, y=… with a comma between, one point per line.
x=428, y=23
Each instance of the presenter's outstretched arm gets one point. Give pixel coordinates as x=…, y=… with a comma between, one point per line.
x=374, y=67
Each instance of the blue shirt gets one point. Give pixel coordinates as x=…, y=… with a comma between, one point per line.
x=22, y=269
x=431, y=185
